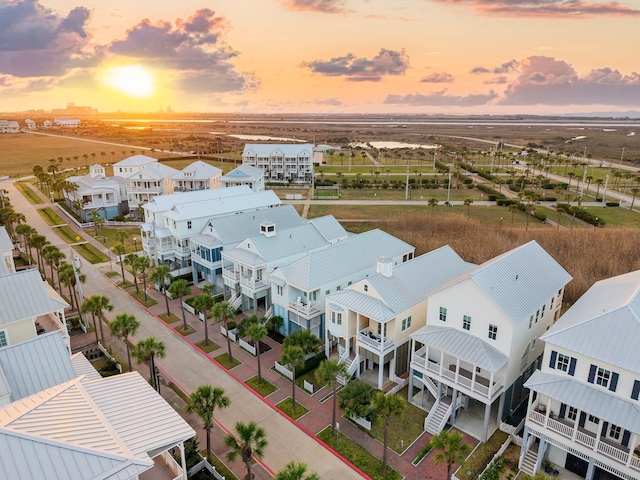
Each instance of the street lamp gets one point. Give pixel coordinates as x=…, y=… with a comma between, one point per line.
x=77, y=265
x=135, y=244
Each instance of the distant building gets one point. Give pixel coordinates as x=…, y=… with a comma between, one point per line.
x=130, y=165
x=282, y=162
x=197, y=176
x=245, y=174
x=31, y=125
x=149, y=182
x=9, y=126
x=67, y=122
x=47, y=124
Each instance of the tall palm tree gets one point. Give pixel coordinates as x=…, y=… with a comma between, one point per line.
x=49, y=252
x=387, y=407
x=450, y=449
x=95, y=305
x=149, y=349
x=305, y=340
x=432, y=203
x=25, y=231
x=121, y=235
x=252, y=440
x=296, y=471
x=67, y=275
x=223, y=311
x=119, y=249
x=328, y=372
x=38, y=242
x=292, y=355
x=131, y=261
x=203, y=402
x=355, y=399
x=204, y=303
x=161, y=275
x=178, y=289
x=468, y=202
x=122, y=326
x=141, y=266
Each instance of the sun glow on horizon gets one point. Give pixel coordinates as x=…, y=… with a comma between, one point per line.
x=134, y=80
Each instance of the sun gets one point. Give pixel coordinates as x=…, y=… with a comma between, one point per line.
x=133, y=80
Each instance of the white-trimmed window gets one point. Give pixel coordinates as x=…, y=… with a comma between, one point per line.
x=562, y=363
x=406, y=323
x=366, y=288
x=615, y=431
x=493, y=331
x=189, y=224
x=443, y=314
x=602, y=377
x=280, y=290
x=572, y=413
x=594, y=419
x=3, y=338
x=466, y=322
x=530, y=321
x=336, y=318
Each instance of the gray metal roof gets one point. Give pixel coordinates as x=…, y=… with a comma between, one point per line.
x=594, y=401
x=162, y=203
x=462, y=345
x=232, y=229
x=135, y=160
x=519, y=281
x=244, y=172
x=83, y=367
x=361, y=303
x=287, y=149
x=604, y=323
x=36, y=364
x=5, y=240
x=358, y=253
x=330, y=228
x=223, y=206
x=23, y=295
x=198, y=170
x=155, y=171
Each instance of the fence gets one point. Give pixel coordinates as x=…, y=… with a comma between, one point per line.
x=308, y=387
x=248, y=347
x=232, y=333
x=284, y=371
x=205, y=465
x=109, y=223
x=500, y=451
x=110, y=357
x=188, y=308
x=172, y=465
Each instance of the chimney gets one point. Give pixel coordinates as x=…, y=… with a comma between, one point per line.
x=385, y=267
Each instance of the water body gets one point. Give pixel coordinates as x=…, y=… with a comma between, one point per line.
x=261, y=137
x=390, y=145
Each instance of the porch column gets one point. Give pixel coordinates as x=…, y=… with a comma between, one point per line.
x=541, y=449
x=392, y=366
x=255, y=303
x=454, y=396
x=575, y=426
x=457, y=368
x=500, y=408
x=591, y=469
x=632, y=441
x=380, y=371
x=441, y=361
x=473, y=378
x=485, y=426
x=548, y=412
x=525, y=441
x=183, y=460
x=410, y=392
x=490, y=384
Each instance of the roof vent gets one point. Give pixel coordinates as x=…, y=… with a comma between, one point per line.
x=267, y=228
x=385, y=267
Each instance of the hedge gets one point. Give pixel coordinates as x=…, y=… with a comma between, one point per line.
x=310, y=364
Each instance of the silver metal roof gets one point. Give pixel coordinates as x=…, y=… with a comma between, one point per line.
x=604, y=323
x=36, y=364
x=198, y=170
x=519, y=281
x=462, y=345
x=135, y=161
x=5, y=240
x=23, y=295
x=162, y=203
x=244, y=172
x=361, y=303
x=330, y=228
x=82, y=367
x=357, y=253
x=223, y=206
x=611, y=408
x=155, y=171
x=286, y=149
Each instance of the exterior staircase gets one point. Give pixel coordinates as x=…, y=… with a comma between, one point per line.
x=351, y=364
x=431, y=385
x=528, y=464
x=236, y=301
x=438, y=416
x=269, y=314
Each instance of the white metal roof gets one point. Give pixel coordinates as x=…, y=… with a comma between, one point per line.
x=23, y=295
x=161, y=203
x=36, y=364
x=5, y=240
x=361, y=303
x=244, y=173
x=82, y=367
x=358, y=253
x=330, y=228
x=462, y=345
x=154, y=171
x=519, y=281
x=611, y=408
x=198, y=170
x=135, y=161
x=604, y=323
x=287, y=149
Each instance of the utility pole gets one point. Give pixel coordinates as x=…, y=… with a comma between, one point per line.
x=604, y=195
x=406, y=191
x=621, y=157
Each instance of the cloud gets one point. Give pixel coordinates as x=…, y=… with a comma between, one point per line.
x=334, y=102
x=386, y=62
x=575, y=9
x=547, y=81
x=190, y=51
x=441, y=99
x=441, y=77
x=506, y=67
x=322, y=6
x=496, y=81
x=36, y=41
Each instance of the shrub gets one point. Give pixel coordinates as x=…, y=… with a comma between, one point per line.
x=310, y=364
x=612, y=204
x=505, y=202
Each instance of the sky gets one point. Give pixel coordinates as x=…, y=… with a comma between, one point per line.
x=322, y=56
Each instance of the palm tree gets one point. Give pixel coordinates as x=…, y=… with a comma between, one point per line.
x=432, y=203
x=355, y=399
x=95, y=304
x=203, y=402
x=204, y=303
x=251, y=441
x=387, y=407
x=121, y=235
x=25, y=231
x=141, y=265
x=67, y=275
x=292, y=356
x=305, y=340
x=149, y=349
x=468, y=202
x=178, y=289
x=223, y=311
x=296, y=471
x=635, y=191
x=450, y=449
x=120, y=250
x=328, y=372
x=131, y=261
x=161, y=275
x=49, y=253
x=123, y=326
x=255, y=328
x=599, y=182
x=38, y=242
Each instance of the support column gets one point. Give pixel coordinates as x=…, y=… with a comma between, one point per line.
x=485, y=426
x=454, y=397
x=500, y=408
x=410, y=392
x=380, y=371
x=525, y=441
x=255, y=303
x=591, y=469
x=183, y=460
x=541, y=449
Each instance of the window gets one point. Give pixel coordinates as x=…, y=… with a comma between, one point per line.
x=314, y=295
x=563, y=362
x=443, y=314
x=381, y=330
x=615, y=431
x=551, y=305
x=336, y=318
x=466, y=322
x=3, y=338
x=348, y=284
x=338, y=288
x=366, y=288
x=406, y=323
x=573, y=413
x=543, y=307
x=537, y=315
x=327, y=292
x=280, y=290
x=189, y=224
x=602, y=377
x=594, y=419
x=530, y=321
x=493, y=332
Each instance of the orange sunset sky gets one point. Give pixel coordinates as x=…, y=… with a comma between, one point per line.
x=307, y=56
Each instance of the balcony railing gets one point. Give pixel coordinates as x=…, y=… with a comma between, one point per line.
x=605, y=446
x=134, y=189
x=376, y=342
x=231, y=274
x=308, y=310
x=251, y=283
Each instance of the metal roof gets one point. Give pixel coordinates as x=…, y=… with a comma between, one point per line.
x=244, y=172
x=82, y=367
x=592, y=400
x=519, y=281
x=604, y=323
x=161, y=203
x=361, y=303
x=222, y=206
x=330, y=228
x=23, y=295
x=198, y=170
x=36, y=364
x=287, y=149
x=358, y=253
x=462, y=345
x=155, y=171
x=5, y=240
x=135, y=160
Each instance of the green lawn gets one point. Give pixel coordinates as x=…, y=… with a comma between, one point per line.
x=286, y=406
x=106, y=235
x=616, y=216
x=357, y=455
x=264, y=388
x=89, y=252
x=226, y=362
x=481, y=456
x=369, y=212
x=140, y=297
x=180, y=329
x=212, y=347
x=50, y=216
x=169, y=319
x=29, y=194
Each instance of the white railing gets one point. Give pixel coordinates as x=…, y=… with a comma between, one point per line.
x=354, y=365
x=306, y=309
x=236, y=301
x=559, y=427
x=635, y=462
x=284, y=371
x=613, y=452
x=231, y=274
x=584, y=439
x=446, y=372
x=170, y=462
x=269, y=313
x=308, y=386
x=188, y=308
x=375, y=342
x=247, y=346
x=536, y=417
x=232, y=333
x=251, y=283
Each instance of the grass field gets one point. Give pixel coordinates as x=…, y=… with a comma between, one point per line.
x=50, y=216
x=616, y=216
x=90, y=253
x=29, y=194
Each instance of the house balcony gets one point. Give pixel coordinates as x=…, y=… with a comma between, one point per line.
x=451, y=374
x=375, y=343
x=152, y=190
x=253, y=284
x=590, y=443
x=307, y=310
x=230, y=274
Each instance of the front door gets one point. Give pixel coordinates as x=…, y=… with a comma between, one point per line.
x=576, y=465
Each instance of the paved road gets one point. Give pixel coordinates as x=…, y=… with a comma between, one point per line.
x=190, y=369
